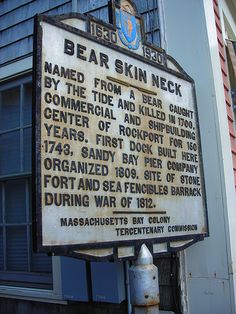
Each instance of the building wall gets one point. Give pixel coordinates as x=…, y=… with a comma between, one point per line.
x=16, y=25
x=209, y=275
x=17, y=19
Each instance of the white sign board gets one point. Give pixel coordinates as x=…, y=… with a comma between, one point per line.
x=117, y=146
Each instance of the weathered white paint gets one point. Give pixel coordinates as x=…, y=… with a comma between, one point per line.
x=123, y=225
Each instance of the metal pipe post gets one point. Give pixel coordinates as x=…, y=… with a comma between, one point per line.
x=144, y=284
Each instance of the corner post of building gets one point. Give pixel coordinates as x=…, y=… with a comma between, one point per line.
x=144, y=284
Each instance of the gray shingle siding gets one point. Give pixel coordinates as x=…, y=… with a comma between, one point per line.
x=16, y=25
x=17, y=19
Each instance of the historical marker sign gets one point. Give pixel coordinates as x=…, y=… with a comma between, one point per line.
x=117, y=142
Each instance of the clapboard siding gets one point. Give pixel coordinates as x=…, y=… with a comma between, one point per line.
x=101, y=14
x=25, y=28
x=7, y=6
x=147, y=8
x=16, y=50
x=65, y=8
x=85, y=6
x=90, y=5
x=16, y=21
x=146, y=5
x=98, y=9
x=16, y=39
x=24, y=46
x=151, y=22
x=16, y=32
x=28, y=11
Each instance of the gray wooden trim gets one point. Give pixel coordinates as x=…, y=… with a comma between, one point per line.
x=16, y=68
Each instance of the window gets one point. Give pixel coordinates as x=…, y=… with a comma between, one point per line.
x=19, y=265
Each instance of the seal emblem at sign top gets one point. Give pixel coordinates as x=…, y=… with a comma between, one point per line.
x=128, y=25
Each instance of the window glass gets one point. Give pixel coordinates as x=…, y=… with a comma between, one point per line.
x=1, y=250
x=27, y=104
x=10, y=109
x=1, y=200
x=9, y=153
x=40, y=263
x=29, y=189
x=15, y=201
x=19, y=265
x=27, y=150
x=17, y=253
